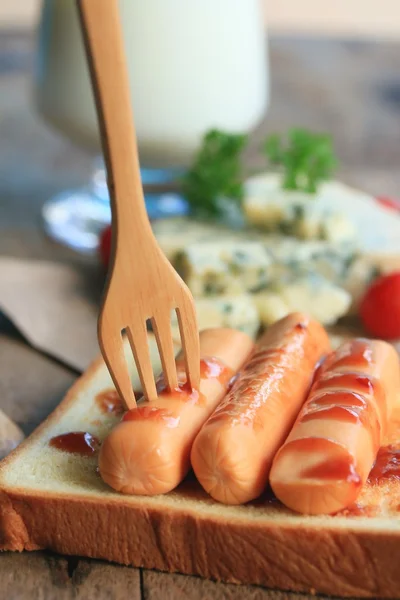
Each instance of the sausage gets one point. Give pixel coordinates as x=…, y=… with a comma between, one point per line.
x=332, y=447
x=148, y=453
x=233, y=452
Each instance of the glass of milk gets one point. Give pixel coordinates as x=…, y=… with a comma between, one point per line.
x=193, y=65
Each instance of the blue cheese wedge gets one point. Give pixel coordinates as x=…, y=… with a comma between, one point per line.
x=237, y=312
x=291, y=257
x=337, y=213
x=215, y=260
x=310, y=217
x=287, y=253
x=216, y=268
x=310, y=293
x=174, y=235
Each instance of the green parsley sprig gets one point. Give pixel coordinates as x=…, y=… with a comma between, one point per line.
x=306, y=158
x=216, y=173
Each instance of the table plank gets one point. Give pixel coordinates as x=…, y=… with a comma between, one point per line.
x=165, y=586
x=34, y=575
x=31, y=385
x=42, y=575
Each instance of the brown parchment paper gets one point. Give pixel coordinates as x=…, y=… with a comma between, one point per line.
x=54, y=306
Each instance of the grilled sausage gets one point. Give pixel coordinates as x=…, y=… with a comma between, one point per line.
x=233, y=452
x=149, y=451
x=329, y=453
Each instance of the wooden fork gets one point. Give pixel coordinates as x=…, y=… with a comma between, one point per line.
x=142, y=284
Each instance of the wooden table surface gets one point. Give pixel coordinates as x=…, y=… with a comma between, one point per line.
x=349, y=88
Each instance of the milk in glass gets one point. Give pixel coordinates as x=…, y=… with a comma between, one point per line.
x=193, y=65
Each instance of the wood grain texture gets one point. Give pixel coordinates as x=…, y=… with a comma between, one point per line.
x=134, y=292
x=164, y=586
x=30, y=385
x=44, y=576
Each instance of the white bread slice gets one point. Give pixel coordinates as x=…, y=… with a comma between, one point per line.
x=55, y=500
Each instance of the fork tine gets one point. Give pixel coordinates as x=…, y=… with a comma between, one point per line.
x=188, y=328
x=114, y=357
x=165, y=345
x=137, y=335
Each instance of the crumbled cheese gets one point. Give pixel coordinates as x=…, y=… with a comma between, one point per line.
x=346, y=214
x=290, y=257
x=215, y=260
x=237, y=312
x=224, y=268
x=310, y=293
x=301, y=215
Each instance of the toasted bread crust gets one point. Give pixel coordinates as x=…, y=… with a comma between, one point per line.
x=332, y=561
x=276, y=552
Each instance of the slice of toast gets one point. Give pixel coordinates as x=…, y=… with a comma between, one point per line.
x=56, y=500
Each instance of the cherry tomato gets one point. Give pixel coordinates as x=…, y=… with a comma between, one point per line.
x=389, y=202
x=105, y=246
x=380, y=307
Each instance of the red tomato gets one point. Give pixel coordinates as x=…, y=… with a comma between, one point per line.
x=105, y=246
x=389, y=202
x=380, y=307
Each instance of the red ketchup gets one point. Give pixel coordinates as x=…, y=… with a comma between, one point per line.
x=76, y=442
x=336, y=469
x=148, y=412
x=210, y=368
x=109, y=402
x=387, y=464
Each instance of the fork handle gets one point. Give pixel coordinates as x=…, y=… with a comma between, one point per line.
x=102, y=32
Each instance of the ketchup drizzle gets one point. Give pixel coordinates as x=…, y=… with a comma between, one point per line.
x=343, y=414
x=356, y=354
x=210, y=368
x=342, y=396
x=76, y=442
x=109, y=402
x=153, y=414
x=387, y=464
x=214, y=368
x=334, y=469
